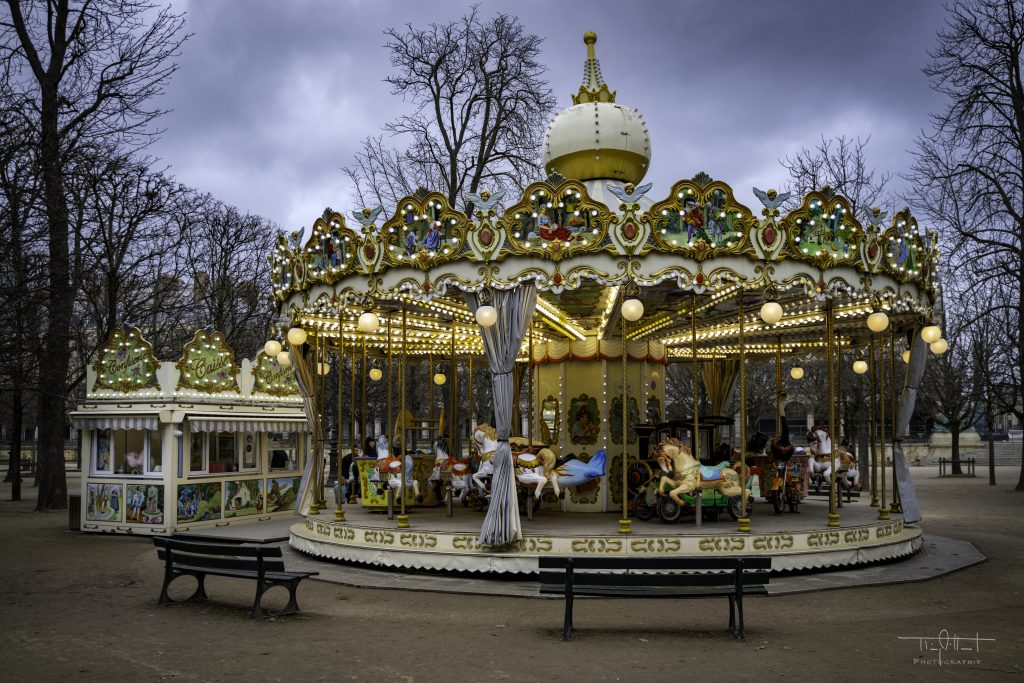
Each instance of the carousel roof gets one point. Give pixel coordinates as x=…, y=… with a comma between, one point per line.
x=586, y=231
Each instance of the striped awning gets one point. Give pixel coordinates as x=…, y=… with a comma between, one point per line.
x=226, y=423
x=115, y=421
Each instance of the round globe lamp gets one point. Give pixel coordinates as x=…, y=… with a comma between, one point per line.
x=272, y=347
x=632, y=310
x=878, y=321
x=487, y=315
x=860, y=366
x=939, y=346
x=796, y=372
x=931, y=334
x=368, y=322
x=376, y=374
x=771, y=312
x=284, y=359
x=296, y=336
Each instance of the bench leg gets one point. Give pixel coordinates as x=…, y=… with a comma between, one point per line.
x=200, y=593
x=567, y=624
x=732, y=614
x=164, y=598
x=740, y=636
x=293, y=604
x=257, y=610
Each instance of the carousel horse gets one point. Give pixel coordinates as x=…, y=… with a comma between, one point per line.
x=390, y=468
x=819, y=461
x=848, y=474
x=689, y=475
x=537, y=469
x=486, y=440
x=447, y=467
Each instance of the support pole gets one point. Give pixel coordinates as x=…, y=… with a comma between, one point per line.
x=778, y=389
x=625, y=523
x=403, y=519
x=362, y=408
x=895, y=507
x=872, y=413
x=390, y=425
x=743, y=523
x=833, y=512
x=696, y=379
x=339, y=511
x=883, y=511
x=529, y=370
x=314, y=505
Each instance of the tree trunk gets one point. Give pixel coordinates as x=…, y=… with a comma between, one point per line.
x=990, y=425
x=955, y=447
x=14, y=457
x=53, y=373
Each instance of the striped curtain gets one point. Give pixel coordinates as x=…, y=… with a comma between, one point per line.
x=501, y=343
x=915, y=371
x=304, y=379
x=719, y=379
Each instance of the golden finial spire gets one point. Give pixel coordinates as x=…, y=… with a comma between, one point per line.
x=593, y=89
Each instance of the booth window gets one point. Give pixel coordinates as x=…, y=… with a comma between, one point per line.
x=222, y=452
x=248, y=452
x=126, y=451
x=283, y=451
x=197, y=452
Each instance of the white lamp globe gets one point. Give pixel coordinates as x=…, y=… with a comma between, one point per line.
x=797, y=372
x=376, y=374
x=771, y=312
x=860, y=366
x=931, y=334
x=324, y=368
x=283, y=358
x=878, y=321
x=939, y=346
x=486, y=315
x=272, y=347
x=368, y=322
x=906, y=356
x=632, y=310
x=440, y=378
x=296, y=336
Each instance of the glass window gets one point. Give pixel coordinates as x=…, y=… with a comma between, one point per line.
x=197, y=452
x=222, y=452
x=249, y=450
x=123, y=451
x=155, y=453
x=283, y=451
x=104, y=459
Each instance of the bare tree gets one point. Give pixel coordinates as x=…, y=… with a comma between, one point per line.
x=969, y=169
x=948, y=386
x=480, y=101
x=82, y=71
x=839, y=163
x=225, y=254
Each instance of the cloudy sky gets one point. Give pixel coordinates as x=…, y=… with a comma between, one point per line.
x=273, y=97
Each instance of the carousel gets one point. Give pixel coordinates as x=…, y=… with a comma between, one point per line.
x=574, y=297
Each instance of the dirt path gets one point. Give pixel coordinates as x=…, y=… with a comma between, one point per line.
x=77, y=607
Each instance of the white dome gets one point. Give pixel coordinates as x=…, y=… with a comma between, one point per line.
x=598, y=140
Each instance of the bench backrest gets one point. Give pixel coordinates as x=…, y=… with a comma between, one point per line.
x=242, y=557
x=643, y=571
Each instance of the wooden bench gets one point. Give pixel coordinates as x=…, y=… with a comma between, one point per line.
x=261, y=563
x=635, y=577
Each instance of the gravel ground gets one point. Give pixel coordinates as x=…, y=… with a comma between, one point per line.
x=77, y=607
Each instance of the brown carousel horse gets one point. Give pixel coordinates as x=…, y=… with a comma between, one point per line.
x=688, y=475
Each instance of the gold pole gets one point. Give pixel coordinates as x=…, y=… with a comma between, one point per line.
x=743, y=523
x=391, y=387
x=883, y=511
x=352, y=399
x=430, y=388
x=625, y=524
x=872, y=414
x=403, y=519
x=314, y=506
x=839, y=387
x=778, y=391
x=529, y=369
x=833, y=511
x=469, y=412
x=453, y=418
x=696, y=380
x=362, y=408
x=895, y=507
x=339, y=512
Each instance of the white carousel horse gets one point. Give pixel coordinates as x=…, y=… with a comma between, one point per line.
x=687, y=474
x=390, y=468
x=819, y=461
x=537, y=470
x=848, y=474
x=486, y=438
x=447, y=466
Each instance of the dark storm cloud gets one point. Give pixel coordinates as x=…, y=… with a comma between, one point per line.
x=273, y=97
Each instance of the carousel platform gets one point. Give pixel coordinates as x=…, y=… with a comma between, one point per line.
x=433, y=541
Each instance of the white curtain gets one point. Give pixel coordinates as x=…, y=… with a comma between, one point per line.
x=301, y=364
x=915, y=371
x=501, y=343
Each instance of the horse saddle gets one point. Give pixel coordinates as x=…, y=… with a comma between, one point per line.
x=713, y=472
